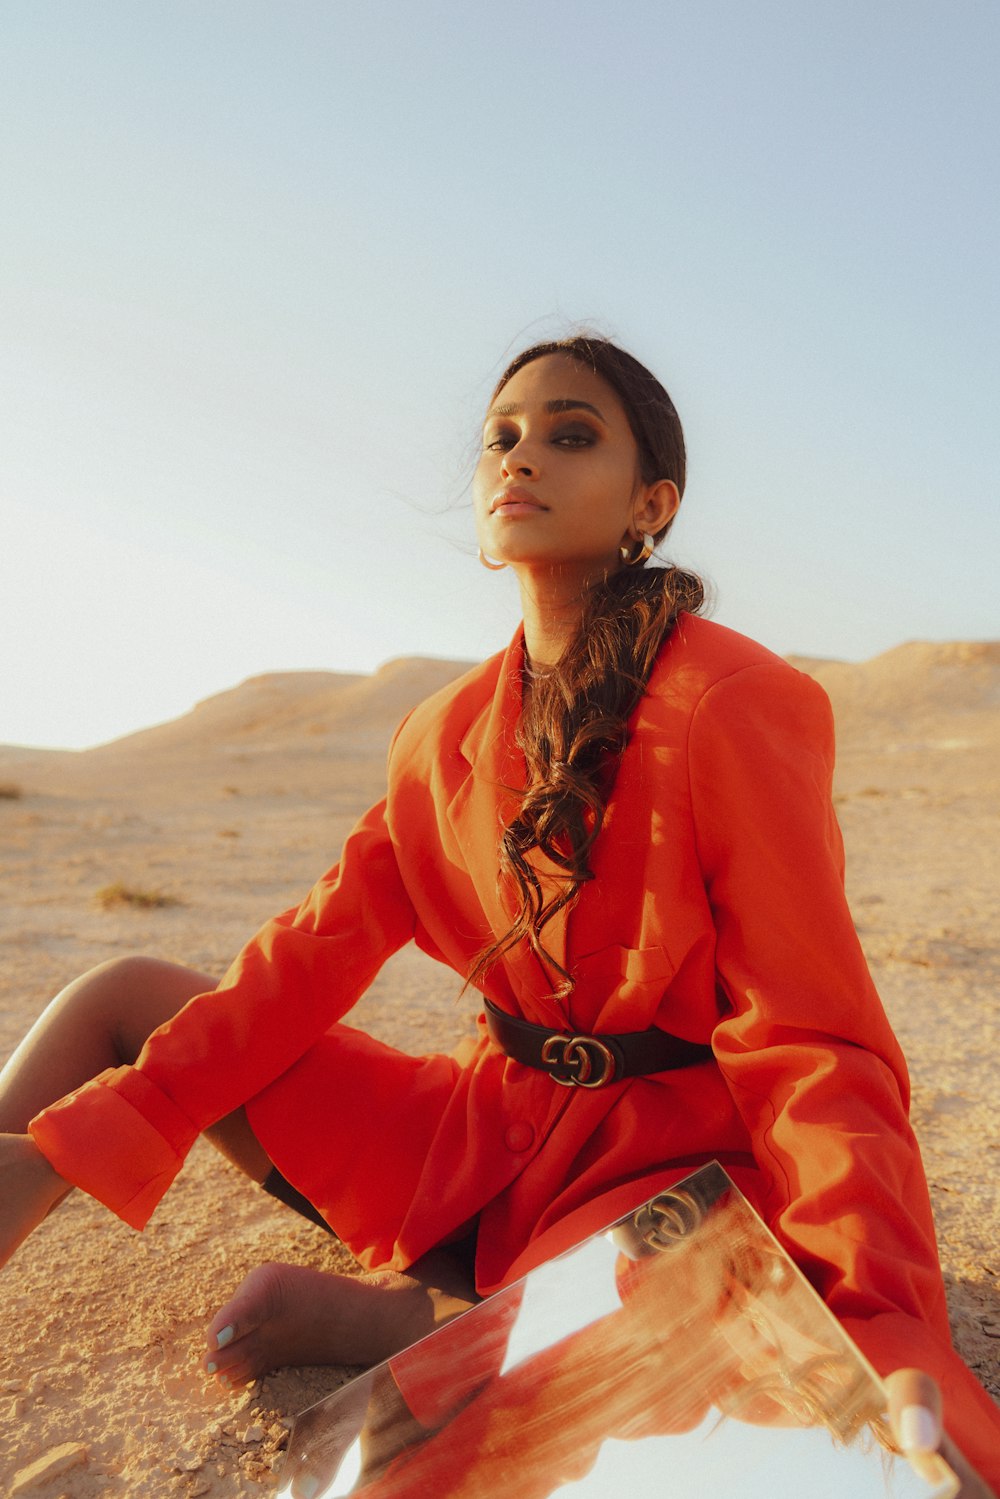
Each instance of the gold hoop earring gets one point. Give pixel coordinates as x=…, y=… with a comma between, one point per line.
x=494, y=567
x=646, y=550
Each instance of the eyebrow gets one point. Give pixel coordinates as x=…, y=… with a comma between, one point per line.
x=564, y=404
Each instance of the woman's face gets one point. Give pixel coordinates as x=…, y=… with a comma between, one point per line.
x=558, y=482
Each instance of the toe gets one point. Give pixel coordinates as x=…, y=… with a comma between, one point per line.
x=231, y=1381
x=223, y=1329
x=233, y=1376
x=256, y=1299
x=237, y=1362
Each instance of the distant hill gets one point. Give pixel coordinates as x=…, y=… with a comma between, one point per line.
x=293, y=715
x=917, y=691
x=920, y=692
x=278, y=708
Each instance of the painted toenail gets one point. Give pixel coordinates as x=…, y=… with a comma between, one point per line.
x=308, y=1487
x=224, y=1379
x=225, y=1336
x=211, y=1366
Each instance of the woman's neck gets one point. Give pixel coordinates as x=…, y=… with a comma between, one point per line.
x=552, y=606
x=543, y=647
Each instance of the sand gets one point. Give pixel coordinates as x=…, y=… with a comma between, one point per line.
x=233, y=810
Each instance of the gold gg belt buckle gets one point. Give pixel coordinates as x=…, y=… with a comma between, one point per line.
x=580, y=1057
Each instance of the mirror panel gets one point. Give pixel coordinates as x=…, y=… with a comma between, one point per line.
x=682, y=1341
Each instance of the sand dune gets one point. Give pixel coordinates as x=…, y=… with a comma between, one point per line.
x=278, y=726
x=233, y=810
x=917, y=690
x=280, y=707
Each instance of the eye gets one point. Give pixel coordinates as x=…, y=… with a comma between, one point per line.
x=498, y=441
x=577, y=436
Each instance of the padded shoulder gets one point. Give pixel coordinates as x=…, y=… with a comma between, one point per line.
x=711, y=652
x=700, y=653
x=451, y=709
x=703, y=661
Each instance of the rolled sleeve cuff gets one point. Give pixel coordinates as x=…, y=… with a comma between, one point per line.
x=118, y=1138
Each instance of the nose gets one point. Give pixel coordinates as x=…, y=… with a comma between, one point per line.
x=518, y=462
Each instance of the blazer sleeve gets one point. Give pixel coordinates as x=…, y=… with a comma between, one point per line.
x=123, y=1136
x=804, y=1044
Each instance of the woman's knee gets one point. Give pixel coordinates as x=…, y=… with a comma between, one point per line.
x=133, y=996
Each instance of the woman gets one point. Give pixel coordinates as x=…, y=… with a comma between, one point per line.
x=670, y=895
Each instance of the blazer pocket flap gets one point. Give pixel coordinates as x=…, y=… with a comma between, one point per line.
x=620, y=988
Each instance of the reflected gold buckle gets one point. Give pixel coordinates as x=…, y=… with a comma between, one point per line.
x=667, y=1219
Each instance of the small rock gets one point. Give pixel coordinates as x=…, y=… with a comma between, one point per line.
x=11, y=1386
x=187, y=1460
x=51, y=1465
x=254, y=1433
x=18, y=1408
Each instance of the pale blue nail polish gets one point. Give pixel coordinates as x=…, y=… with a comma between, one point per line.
x=919, y=1430
x=211, y=1366
x=225, y=1336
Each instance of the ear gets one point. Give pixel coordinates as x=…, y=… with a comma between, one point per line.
x=655, y=506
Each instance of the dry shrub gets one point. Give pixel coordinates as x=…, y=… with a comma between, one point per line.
x=120, y=894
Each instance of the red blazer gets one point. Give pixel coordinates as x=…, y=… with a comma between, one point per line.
x=717, y=911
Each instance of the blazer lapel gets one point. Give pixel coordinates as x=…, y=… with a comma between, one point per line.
x=485, y=800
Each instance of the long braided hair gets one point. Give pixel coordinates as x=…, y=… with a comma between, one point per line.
x=575, y=724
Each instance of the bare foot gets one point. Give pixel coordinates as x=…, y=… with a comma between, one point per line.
x=286, y=1315
x=29, y=1190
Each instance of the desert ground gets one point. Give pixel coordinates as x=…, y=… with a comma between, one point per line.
x=232, y=811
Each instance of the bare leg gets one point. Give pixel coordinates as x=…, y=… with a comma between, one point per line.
x=100, y=1020
x=104, y=1019
x=281, y=1314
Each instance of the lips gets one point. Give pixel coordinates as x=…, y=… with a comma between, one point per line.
x=515, y=501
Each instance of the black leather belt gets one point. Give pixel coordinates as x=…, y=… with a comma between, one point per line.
x=575, y=1061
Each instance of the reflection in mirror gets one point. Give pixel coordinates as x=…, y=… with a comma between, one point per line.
x=680, y=1342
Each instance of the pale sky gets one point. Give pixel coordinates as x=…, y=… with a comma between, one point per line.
x=262, y=262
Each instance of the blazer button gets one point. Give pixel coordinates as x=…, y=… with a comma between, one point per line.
x=519, y=1136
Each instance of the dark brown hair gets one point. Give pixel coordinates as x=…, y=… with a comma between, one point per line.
x=575, y=725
